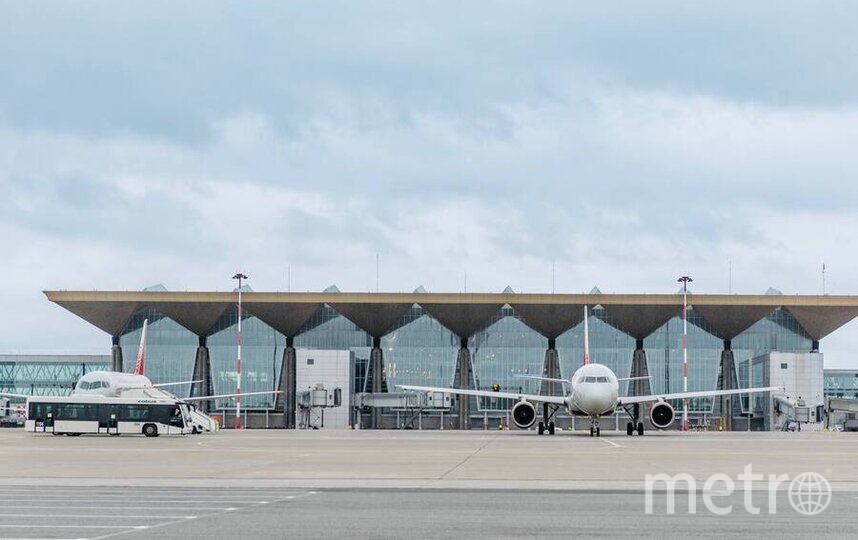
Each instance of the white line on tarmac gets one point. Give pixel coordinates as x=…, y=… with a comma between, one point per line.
x=31, y=526
x=100, y=507
x=148, y=501
x=612, y=443
x=97, y=516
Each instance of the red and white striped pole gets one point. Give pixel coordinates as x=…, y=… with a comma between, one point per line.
x=239, y=276
x=685, y=280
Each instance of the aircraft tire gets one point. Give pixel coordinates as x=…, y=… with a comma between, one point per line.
x=551, y=428
x=598, y=432
x=592, y=432
x=630, y=429
x=541, y=428
x=150, y=430
x=640, y=428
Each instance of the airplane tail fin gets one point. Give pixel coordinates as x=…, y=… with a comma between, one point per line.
x=586, y=337
x=140, y=366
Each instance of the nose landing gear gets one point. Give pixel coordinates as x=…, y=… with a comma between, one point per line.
x=594, y=428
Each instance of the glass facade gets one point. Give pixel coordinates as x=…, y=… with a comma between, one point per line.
x=46, y=374
x=841, y=383
x=503, y=350
x=421, y=351
x=261, y=356
x=171, y=349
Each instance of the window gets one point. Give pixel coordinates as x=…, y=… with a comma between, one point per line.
x=784, y=365
x=589, y=379
x=310, y=361
x=602, y=379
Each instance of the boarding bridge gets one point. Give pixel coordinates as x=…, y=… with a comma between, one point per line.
x=312, y=404
x=411, y=404
x=840, y=411
x=787, y=412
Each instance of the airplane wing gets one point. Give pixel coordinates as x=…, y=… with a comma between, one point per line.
x=538, y=378
x=174, y=383
x=219, y=396
x=629, y=400
x=487, y=393
x=621, y=379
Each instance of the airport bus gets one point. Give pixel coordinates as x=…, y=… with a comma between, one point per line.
x=79, y=414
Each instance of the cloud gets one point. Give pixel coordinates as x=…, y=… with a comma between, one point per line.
x=619, y=146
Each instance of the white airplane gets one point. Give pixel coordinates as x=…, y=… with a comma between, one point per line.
x=593, y=391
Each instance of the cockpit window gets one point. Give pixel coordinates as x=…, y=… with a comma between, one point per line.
x=589, y=379
x=602, y=379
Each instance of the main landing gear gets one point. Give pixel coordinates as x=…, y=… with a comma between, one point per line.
x=635, y=425
x=547, y=424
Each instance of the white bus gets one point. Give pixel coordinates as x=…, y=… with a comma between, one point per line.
x=79, y=414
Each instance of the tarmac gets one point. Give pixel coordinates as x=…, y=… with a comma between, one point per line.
x=407, y=484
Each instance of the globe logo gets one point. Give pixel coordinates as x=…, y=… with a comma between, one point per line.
x=809, y=493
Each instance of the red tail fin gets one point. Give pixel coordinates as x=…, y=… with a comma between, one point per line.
x=140, y=366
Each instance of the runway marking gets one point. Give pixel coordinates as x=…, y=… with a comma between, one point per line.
x=103, y=507
x=612, y=443
x=232, y=509
x=97, y=516
x=31, y=526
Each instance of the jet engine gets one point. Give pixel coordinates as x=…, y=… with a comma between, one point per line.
x=661, y=415
x=523, y=414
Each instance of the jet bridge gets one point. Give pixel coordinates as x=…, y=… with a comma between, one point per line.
x=411, y=404
x=840, y=412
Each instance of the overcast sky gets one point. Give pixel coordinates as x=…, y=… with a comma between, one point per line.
x=175, y=143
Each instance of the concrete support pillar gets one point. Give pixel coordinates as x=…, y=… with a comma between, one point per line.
x=116, y=355
x=376, y=363
x=639, y=387
x=463, y=381
x=287, y=401
x=551, y=369
x=814, y=346
x=202, y=373
x=727, y=374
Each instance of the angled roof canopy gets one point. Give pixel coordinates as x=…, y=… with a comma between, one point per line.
x=462, y=319
x=285, y=318
x=730, y=321
x=819, y=321
x=550, y=320
x=374, y=319
x=378, y=313
x=198, y=317
x=640, y=321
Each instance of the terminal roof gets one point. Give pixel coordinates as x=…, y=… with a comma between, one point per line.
x=462, y=313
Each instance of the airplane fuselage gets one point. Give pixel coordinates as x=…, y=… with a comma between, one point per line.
x=594, y=391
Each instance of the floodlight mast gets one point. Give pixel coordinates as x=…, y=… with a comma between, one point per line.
x=685, y=280
x=239, y=276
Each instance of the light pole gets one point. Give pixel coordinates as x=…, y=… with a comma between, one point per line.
x=685, y=280
x=239, y=276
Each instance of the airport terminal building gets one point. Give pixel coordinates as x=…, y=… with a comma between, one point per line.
x=292, y=341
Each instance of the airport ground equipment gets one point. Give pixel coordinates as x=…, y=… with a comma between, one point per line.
x=413, y=404
x=313, y=402
x=840, y=411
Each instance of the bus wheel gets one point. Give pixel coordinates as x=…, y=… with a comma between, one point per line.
x=73, y=434
x=150, y=430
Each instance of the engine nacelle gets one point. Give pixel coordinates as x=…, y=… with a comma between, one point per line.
x=523, y=414
x=661, y=415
